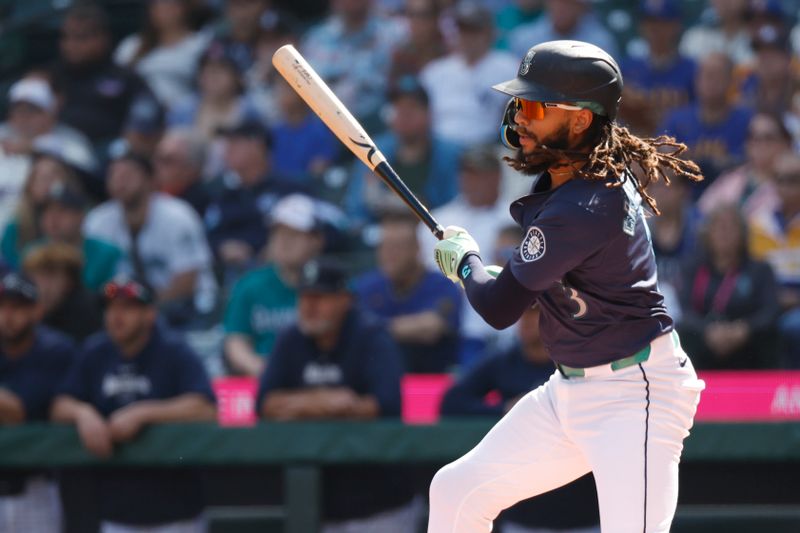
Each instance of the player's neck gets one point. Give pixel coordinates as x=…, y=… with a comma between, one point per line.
x=562, y=173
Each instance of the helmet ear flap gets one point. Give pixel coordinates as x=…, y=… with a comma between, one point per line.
x=508, y=132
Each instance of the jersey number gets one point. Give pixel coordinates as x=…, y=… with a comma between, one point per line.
x=572, y=294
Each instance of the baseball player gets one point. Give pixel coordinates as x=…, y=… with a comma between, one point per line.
x=624, y=394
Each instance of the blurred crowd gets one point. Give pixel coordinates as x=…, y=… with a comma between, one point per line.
x=171, y=210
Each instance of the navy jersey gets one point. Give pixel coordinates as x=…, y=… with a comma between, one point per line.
x=587, y=254
x=35, y=375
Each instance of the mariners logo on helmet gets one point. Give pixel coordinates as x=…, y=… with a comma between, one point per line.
x=532, y=247
x=526, y=62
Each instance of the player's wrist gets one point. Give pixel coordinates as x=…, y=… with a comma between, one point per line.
x=466, y=266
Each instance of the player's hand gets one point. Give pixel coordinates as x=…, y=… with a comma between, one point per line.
x=450, y=251
x=126, y=423
x=94, y=433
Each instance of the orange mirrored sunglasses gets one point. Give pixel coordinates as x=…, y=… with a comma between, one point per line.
x=535, y=110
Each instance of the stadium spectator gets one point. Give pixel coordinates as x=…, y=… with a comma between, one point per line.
x=722, y=29
x=220, y=100
x=162, y=238
x=166, y=49
x=236, y=217
x=729, y=301
x=421, y=309
x=32, y=114
x=96, y=94
x=674, y=234
x=339, y=363
x=472, y=67
x=33, y=361
x=67, y=305
x=50, y=168
x=506, y=377
x=134, y=374
x=514, y=14
x=714, y=127
x=478, y=206
x=62, y=219
x=304, y=148
x=775, y=238
x=240, y=28
x=563, y=19
x=423, y=44
x=664, y=78
x=264, y=300
x=179, y=162
x=772, y=82
x=751, y=186
x=142, y=130
x=427, y=162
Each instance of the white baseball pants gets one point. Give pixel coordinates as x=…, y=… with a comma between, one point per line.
x=626, y=426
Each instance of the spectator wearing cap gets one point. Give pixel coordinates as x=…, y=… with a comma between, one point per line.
x=304, y=148
x=427, y=162
x=50, y=167
x=245, y=193
x=220, y=100
x=133, y=374
x=179, y=162
x=166, y=49
x=162, y=238
x=67, y=305
x=423, y=44
x=469, y=115
x=33, y=114
x=96, y=93
x=33, y=361
x=772, y=82
x=241, y=24
x=143, y=128
x=775, y=238
x=264, y=301
x=338, y=362
x=563, y=19
x=422, y=312
x=662, y=79
x=714, y=127
x=351, y=50
x=722, y=28
x=62, y=217
x=506, y=376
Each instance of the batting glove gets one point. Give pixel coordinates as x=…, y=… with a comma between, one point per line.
x=450, y=251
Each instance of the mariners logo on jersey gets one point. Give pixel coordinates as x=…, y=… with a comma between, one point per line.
x=532, y=247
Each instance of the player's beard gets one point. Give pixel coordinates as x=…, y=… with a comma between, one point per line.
x=545, y=155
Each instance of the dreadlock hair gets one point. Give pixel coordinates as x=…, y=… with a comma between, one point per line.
x=615, y=152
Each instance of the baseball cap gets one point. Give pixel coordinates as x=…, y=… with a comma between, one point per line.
x=295, y=211
x=72, y=154
x=771, y=36
x=324, y=274
x=62, y=194
x=129, y=287
x=660, y=9
x=480, y=157
x=473, y=14
x=768, y=8
x=122, y=151
x=411, y=87
x=17, y=287
x=33, y=91
x=145, y=116
x=249, y=128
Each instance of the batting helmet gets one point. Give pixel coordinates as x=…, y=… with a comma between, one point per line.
x=568, y=71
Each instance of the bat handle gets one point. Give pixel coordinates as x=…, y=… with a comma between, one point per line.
x=393, y=181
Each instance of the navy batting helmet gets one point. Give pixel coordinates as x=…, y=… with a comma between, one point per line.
x=568, y=71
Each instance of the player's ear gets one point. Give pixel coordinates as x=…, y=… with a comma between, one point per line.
x=581, y=120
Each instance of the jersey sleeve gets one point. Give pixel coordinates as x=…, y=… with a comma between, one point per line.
x=384, y=369
x=279, y=374
x=556, y=242
x=192, y=376
x=78, y=380
x=189, y=248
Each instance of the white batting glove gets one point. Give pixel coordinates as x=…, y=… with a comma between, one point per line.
x=450, y=251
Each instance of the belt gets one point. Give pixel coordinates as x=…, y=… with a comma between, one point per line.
x=639, y=357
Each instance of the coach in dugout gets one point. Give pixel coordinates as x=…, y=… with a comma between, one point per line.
x=33, y=360
x=133, y=374
x=339, y=363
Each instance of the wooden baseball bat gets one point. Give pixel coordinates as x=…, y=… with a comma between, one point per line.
x=319, y=97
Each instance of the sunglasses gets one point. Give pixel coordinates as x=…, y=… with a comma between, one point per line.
x=535, y=110
x=129, y=290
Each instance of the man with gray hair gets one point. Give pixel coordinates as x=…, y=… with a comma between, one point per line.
x=179, y=161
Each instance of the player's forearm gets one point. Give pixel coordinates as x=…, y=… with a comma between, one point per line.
x=423, y=328
x=500, y=301
x=241, y=356
x=364, y=408
x=292, y=405
x=189, y=407
x=67, y=409
x=12, y=411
